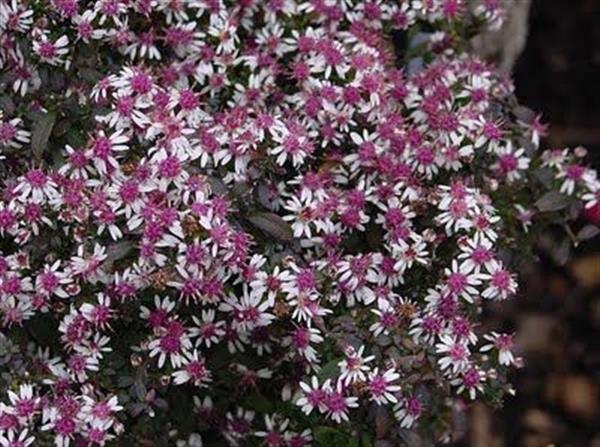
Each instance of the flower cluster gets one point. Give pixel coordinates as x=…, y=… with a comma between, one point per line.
x=303, y=202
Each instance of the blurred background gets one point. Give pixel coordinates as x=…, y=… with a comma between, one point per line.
x=556, y=316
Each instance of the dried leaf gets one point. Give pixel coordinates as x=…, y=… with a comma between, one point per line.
x=587, y=271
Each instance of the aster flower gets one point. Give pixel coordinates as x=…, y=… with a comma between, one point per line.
x=239, y=425
x=511, y=162
x=354, y=367
x=290, y=145
x=52, y=53
x=194, y=370
x=501, y=283
x=275, y=431
x=36, y=186
x=172, y=343
x=313, y=396
x=408, y=410
x=166, y=127
x=503, y=344
x=456, y=355
x=337, y=403
x=387, y=318
x=24, y=401
x=477, y=253
x=462, y=281
x=248, y=312
x=14, y=16
x=208, y=330
x=381, y=386
x=12, y=135
x=52, y=281
x=13, y=438
x=301, y=339
x=471, y=381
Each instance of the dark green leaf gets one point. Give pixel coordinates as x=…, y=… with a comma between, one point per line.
x=562, y=252
x=40, y=135
x=552, y=201
x=329, y=369
x=217, y=186
x=89, y=74
x=7, y=104
x=273, y=225
x=118, y=251
x=524, y=114
x=588, y=232
x=125, y=381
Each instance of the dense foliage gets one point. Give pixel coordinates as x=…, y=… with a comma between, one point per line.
x=260, y=222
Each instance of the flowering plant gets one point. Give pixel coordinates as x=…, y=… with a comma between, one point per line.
x=283, y=217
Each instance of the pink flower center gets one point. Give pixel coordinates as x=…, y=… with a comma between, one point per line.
x=65, y=426
x=378, y=385
x=170, y=343
x=457, y=282
x=36, y=178
x=501, y=280
x=47, y=50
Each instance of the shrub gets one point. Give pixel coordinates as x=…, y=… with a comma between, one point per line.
x=260, y=222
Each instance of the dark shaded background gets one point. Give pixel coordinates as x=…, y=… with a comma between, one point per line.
x=557, y=314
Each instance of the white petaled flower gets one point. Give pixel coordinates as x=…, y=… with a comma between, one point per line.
x=51, y=52
x=24, y=402
x=103, y=149
x=470, y=380
x=337, y=403
x=275, y=430
x=248, y=312
x=456, y=354
x=462, y=280
x=37, y=186
x=12, y=135
x=52, y=281
x=173, y=343
x=501, y=283
x=313, y=396
x=208, y=331
x=574, y=175
x=477, y=253
x=290, y=146
x=14, y=16
x=256, y=198
x=270, y=283
x=381, y=387
x=354, y=367
x=302, y=217
x=387, y=318
x=511, y=163
x=301, y=339
x=408, y=410
x=13, y=438
x=193, y=370
x=503, y=344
